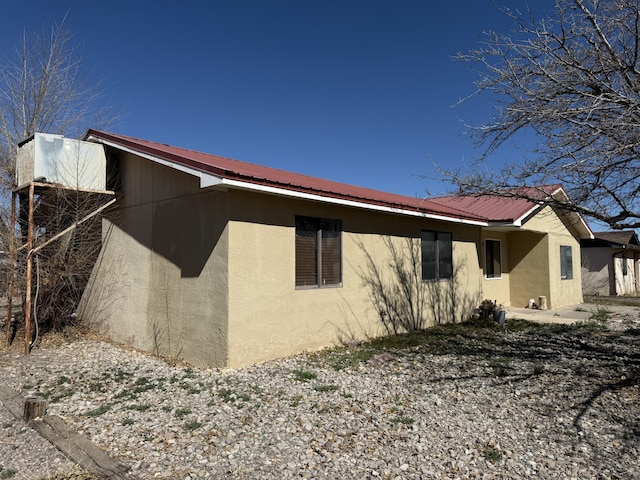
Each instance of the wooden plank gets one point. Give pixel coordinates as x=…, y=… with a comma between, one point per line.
x=80, y=449
x=12, y=401
x=75, y=446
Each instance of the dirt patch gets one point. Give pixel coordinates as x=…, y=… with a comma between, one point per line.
x=622, y=300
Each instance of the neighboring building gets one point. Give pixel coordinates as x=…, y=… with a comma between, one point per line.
x=227, y=263
x=611, y=263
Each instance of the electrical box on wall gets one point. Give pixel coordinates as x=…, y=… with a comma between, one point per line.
x=61, y=161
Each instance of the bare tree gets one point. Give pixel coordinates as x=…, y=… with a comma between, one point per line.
x=64, y=264
x=44, y=87
x=573, y=78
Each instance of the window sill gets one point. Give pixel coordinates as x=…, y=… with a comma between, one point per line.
x=317, y=287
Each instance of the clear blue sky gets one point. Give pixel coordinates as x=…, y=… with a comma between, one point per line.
x=361, y=92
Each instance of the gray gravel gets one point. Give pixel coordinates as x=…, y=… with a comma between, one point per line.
x=552, y=402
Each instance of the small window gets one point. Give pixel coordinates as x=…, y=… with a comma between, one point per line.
x=437, y=255
x=493, y=259
x=566, y=263
x=318, y=252
x=624, y=265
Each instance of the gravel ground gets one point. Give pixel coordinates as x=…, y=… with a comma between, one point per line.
x=457, y=402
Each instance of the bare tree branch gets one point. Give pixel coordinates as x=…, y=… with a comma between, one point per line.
x=44, y=87
x=574, y=80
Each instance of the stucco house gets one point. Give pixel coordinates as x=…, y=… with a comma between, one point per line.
x=611, y=263
x=226, y=263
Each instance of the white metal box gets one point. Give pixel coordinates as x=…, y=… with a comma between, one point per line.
x=61, y=161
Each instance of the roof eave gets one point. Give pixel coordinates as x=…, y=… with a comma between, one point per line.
x=208, y=179
x=582, y=226
x=344, y=202
x=584, y=231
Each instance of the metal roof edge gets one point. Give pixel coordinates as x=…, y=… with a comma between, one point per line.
x=581, y=219
x=518, y=221
x=209, y=180
x=348, y=203
x=206, y=179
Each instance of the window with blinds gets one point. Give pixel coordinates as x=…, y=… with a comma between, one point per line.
x=437, y=255
x=318, y=252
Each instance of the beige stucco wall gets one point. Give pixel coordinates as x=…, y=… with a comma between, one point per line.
x=209, y=275
x=538, y=272
x=269, y=317
x=529, y=261
x=161, y=281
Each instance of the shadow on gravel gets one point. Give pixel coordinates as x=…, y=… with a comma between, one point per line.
x=595, y=373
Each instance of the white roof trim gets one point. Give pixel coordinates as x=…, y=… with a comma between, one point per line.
x=518, y=221
x=349, y=203
x=206, y=179
x=209, y=180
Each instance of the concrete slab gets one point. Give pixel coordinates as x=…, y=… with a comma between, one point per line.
x=570, y=314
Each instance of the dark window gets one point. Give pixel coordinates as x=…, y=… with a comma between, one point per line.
x=493, y=259
x=566, y=263
x=318, y=252
x=624, y=265
x=437, y=255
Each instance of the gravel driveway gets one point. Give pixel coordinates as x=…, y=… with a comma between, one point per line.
x=544, y=401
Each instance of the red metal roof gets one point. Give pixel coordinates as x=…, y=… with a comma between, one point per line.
x=496, y=208
x=230, y=169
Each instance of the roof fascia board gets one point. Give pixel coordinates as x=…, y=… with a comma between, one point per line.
x=206, y=179
x=348, y=203
x=586, y=226
x=518, y=221
x=582, y=221
x=503, y=224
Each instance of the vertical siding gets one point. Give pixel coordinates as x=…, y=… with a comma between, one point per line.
x=145, y=182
